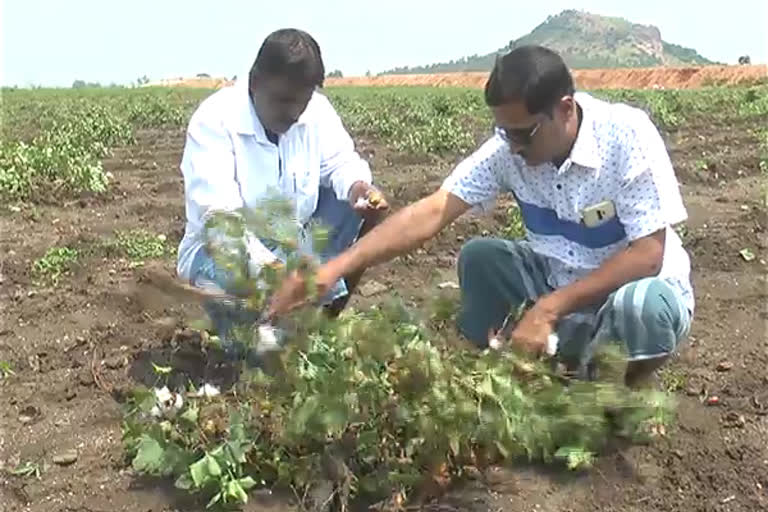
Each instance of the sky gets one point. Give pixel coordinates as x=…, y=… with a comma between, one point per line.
x=54, y=42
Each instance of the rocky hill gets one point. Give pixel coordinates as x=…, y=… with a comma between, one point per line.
x=586, y=41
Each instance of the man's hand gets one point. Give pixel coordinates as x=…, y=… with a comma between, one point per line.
x=367, y=200
x=291, y=294
x=294, y=292
x=533, y=330
x=402, y=232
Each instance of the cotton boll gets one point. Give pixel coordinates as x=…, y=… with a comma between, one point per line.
x=552, y=342
x=168, y=403
x=178, y=402
x=268, y=339
x=162, y=395
x=208, y=390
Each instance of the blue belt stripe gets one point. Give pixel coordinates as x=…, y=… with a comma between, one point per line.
x=544, y=221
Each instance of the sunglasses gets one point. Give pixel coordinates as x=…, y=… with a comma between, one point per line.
x=518, y=136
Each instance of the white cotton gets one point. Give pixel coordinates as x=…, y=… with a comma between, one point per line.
x=162, y=395
x=208, y=390
x=552, y=342
x=178, y=402
x=168, y=403
x=268, y=336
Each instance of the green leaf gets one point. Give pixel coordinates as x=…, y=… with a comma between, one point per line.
x=236, y=451
x=335, y=418
x=184, y=482
x=149, y=457
x=236, y=491
x=214, y=469
x=576, y=458
x=190, y=415
x=175, y=458
x=204, y=470
x=144, y=399
x=6, y=369
x=247, y=483
x=747, y=254
x=486, y=386
x=162, y=370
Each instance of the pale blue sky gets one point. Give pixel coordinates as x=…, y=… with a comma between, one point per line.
x=53, y=42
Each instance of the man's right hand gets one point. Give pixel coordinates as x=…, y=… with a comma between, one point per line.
x=400, y=233
x=294, y=292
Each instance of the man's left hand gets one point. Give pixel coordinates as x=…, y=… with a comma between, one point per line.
x=367, y=200
x=532, y=331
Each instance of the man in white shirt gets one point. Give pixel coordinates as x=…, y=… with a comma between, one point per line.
x=598, y=196
x=273, y=132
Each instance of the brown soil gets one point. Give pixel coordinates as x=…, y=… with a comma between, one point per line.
x=70, y=344
x=634, y=78
x=629, y=78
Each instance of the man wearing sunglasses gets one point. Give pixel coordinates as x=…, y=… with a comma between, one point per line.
x=598, y=196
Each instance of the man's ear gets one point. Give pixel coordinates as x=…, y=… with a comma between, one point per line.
x=566, y=105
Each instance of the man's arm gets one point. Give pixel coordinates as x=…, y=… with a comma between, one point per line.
x=400, y=233
x=474, y=182
x=406, y=230
x=643, y=258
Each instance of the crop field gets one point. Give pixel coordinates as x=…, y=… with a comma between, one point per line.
x=92, y=202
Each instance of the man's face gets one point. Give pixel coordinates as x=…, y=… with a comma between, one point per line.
x=278, y=101
x=538, y=138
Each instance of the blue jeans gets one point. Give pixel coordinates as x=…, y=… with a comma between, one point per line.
x=336, y=215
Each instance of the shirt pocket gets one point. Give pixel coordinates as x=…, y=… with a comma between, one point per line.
x=256, y=169
x=303, y=173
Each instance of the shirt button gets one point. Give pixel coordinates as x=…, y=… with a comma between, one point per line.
x=570, y=253
x=559, y=186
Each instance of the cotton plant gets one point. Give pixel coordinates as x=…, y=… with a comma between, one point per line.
x=168, y=403
x=376, y=403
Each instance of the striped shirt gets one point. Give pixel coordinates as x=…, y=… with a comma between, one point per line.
x=618, y=156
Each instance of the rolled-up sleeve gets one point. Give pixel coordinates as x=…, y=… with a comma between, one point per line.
x=340, y=165
x=650, y=198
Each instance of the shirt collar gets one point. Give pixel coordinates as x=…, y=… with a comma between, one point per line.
x=247, y=121
x=585, y=151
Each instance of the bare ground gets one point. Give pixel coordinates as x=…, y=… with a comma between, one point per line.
x=75, y=346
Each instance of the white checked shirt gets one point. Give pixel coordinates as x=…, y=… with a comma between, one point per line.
x=618, y=156
x=229, y=162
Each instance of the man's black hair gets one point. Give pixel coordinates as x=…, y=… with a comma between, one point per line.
x=290, y=53
x=535, y=75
